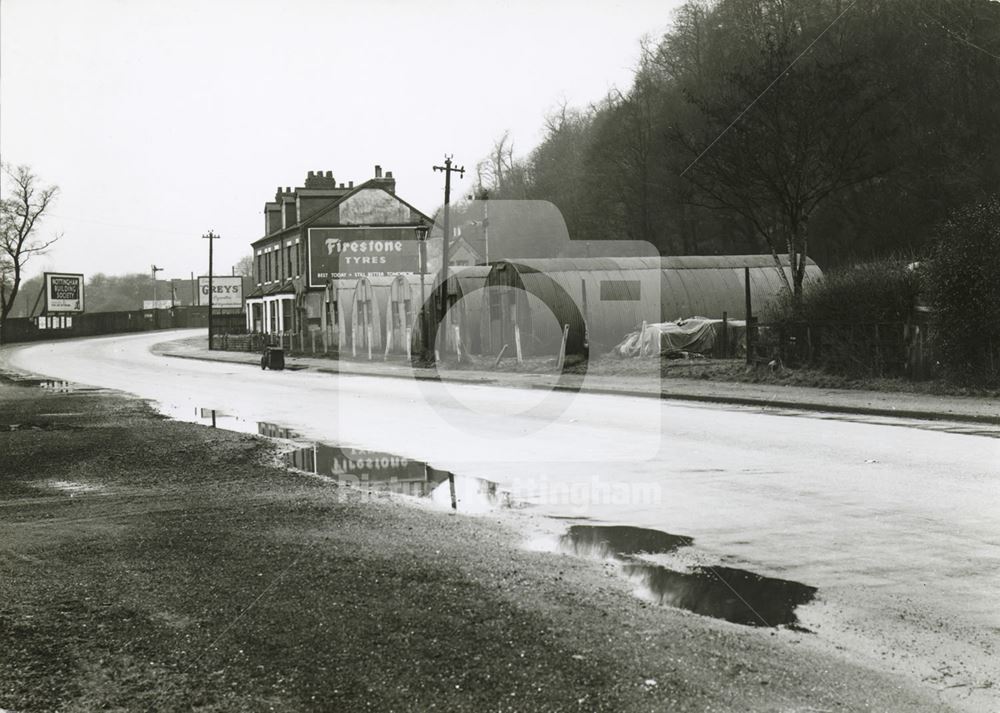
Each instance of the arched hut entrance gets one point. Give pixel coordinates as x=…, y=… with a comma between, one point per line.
x=528, y=310
x=366, y=318
x=402, y=313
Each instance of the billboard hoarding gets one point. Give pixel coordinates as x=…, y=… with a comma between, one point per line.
x=63, y=292
x=350, y=252
x=227, y=292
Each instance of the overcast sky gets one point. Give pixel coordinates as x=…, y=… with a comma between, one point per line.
x=162, y=119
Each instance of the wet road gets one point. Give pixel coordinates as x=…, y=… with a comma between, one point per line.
x=898, y=527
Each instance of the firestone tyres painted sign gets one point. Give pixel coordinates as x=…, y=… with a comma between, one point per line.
x=63, y=292
x=343, y=253
x=227, y=292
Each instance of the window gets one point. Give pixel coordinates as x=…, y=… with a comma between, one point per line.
x=619, y=290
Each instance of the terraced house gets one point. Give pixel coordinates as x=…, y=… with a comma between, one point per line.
x=326, y=234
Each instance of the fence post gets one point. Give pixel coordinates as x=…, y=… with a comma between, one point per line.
x=517, y=338
x=562, y=348
x=749, y=315
x=725, y=335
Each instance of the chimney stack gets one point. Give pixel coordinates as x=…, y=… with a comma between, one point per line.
x=311, y=174
x=329, y=174
x=378, y=171
x=388, y=174
x=350, y=184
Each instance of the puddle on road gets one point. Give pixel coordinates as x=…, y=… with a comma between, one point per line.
x=371, y=471
x=735, y=595
x=388, y=473
x=54, y=385
x=619, y=541
x=273, y=430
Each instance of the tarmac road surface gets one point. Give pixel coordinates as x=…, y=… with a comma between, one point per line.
x=898, y=526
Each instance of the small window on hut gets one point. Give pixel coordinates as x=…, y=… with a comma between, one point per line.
x=619, y=290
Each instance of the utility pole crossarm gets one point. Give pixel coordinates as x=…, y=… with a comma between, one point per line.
x=447, y=169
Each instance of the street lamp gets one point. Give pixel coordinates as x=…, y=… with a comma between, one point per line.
x=420, y=232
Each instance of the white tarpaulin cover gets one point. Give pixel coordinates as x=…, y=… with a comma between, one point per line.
x=697, y=334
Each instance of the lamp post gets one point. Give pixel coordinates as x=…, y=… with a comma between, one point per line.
x=420, y=232
x=154, y=269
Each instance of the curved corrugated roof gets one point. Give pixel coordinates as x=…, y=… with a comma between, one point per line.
x=673, y=262
x=615, y=295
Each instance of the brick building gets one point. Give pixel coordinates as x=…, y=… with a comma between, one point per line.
x=325, y=236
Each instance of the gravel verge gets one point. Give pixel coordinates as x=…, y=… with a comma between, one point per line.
x=147, y=564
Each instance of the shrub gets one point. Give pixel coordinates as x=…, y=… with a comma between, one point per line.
x=850, y=321
x=879, y=291
x=962, y=280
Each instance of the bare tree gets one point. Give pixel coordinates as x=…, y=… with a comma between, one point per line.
x=244, y=266
x=790, y=114
x=20, y=212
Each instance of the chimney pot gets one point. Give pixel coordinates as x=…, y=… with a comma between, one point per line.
x=350, y=184
x=388, y=174
x=341, y=185
x=378, y=171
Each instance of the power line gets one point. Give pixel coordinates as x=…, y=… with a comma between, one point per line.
x=958, y=36
x=769, y=86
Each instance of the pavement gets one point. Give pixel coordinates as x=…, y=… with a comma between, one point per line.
x=885, y=404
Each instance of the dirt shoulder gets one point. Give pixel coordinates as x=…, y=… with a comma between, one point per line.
x=726, y=382
x=147, y=564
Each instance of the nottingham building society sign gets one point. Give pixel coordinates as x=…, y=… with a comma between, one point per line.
x=63, y=292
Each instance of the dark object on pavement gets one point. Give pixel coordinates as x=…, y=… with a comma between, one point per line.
x=274, y=358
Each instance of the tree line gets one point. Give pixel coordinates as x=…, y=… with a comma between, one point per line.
x=834, y=129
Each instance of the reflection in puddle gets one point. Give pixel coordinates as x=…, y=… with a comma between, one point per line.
x=273, y=430
x=388, y=473
x=619, y=541
x=53, y=385
x=735, y=595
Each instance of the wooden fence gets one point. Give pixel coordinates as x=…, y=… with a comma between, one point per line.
x=89, y=324
x=862, y=349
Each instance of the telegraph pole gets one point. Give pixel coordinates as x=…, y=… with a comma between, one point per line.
x=448, y=169
x=211, y=238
